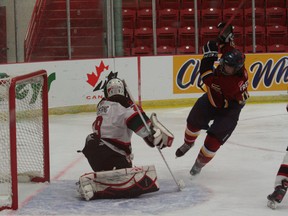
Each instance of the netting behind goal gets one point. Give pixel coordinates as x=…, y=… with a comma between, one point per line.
x=24, y=141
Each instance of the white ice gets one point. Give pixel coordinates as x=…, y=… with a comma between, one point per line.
x=235, y=183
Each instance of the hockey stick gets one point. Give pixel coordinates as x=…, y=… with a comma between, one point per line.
x=232, y=17
x=180, y=184
x=199, y=84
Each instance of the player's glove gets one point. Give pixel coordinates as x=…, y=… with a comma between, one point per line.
x=155, y=139
x=227, y=35
x=210, y=49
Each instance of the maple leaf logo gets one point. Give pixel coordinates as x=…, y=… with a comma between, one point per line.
x=93, y=78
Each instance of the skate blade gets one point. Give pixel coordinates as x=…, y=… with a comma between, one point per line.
x=271, y=204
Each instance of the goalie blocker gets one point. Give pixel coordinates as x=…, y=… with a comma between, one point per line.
x=121, y=183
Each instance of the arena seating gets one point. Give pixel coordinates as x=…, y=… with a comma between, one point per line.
x=175, y=26
x=166, y=50
x=180, y=14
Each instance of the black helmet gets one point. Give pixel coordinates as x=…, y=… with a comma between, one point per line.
x=233, y=58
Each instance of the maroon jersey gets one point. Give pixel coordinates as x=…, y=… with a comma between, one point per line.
x=222, y=89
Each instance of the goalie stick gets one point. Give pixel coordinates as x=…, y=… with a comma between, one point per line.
x=167, y=136
x=180, y=183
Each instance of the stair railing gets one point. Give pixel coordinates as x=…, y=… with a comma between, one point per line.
x=33, y=28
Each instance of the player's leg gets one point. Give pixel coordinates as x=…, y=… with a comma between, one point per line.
x=206, y=154
x=278, y=194
x=221, y=129
x=281, y=184
x=199, y=117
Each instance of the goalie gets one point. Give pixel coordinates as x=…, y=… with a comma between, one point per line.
x=109, y=152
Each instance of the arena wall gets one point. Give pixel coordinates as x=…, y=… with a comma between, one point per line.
x=156, y=81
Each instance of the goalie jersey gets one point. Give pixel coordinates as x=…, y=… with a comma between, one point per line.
x=117, y=119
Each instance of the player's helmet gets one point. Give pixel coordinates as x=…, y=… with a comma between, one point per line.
x=114, y=87
x=233, y=58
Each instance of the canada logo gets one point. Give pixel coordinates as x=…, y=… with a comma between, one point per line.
x=93, y=78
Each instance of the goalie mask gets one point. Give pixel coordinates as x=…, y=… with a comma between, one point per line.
x=114, y=87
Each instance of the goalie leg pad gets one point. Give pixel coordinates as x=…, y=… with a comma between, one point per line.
x=86, y=189
x=167, y=136
x=122, y=183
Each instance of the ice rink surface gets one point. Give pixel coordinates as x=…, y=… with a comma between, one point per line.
x=235, y=183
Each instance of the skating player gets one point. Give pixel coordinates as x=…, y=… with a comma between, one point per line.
x=281, y=182
x=217, y=110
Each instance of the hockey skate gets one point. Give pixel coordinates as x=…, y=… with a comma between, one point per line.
x=196, y=169
x=182, y=150
x=278, y=195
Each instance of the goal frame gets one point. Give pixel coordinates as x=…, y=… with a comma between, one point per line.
x=13, y=139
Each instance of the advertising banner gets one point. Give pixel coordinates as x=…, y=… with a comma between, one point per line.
x=267, y=72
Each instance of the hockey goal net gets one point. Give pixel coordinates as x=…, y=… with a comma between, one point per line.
x=24, y=141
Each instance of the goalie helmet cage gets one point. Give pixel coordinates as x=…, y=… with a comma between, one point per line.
x=24, y=139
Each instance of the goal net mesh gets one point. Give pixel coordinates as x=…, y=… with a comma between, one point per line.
x=29, y=135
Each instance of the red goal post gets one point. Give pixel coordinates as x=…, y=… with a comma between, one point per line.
x=24, y=134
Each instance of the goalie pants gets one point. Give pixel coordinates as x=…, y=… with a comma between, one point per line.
x=101, y=157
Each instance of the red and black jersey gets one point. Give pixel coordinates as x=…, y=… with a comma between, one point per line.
x=223, y=90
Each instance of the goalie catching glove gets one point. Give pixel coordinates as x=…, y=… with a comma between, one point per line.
x=160, y=136
x=154, y=139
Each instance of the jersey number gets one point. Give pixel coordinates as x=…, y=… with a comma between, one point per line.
x=97, y=125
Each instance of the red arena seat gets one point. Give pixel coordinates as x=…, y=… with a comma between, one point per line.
x=143, y=37
x=275, y=16
x=276, y=35
x=168, y=17
x=142, y=51
x=144, y=18
x=277, y=48
x=187, y=17
x=167, y=36
x=211, y=17
x=186, y=36
x=165, y=50
x=172, y=4
x=128, y=18
x=260, y=35
x=259, y=16
x=185, y=50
